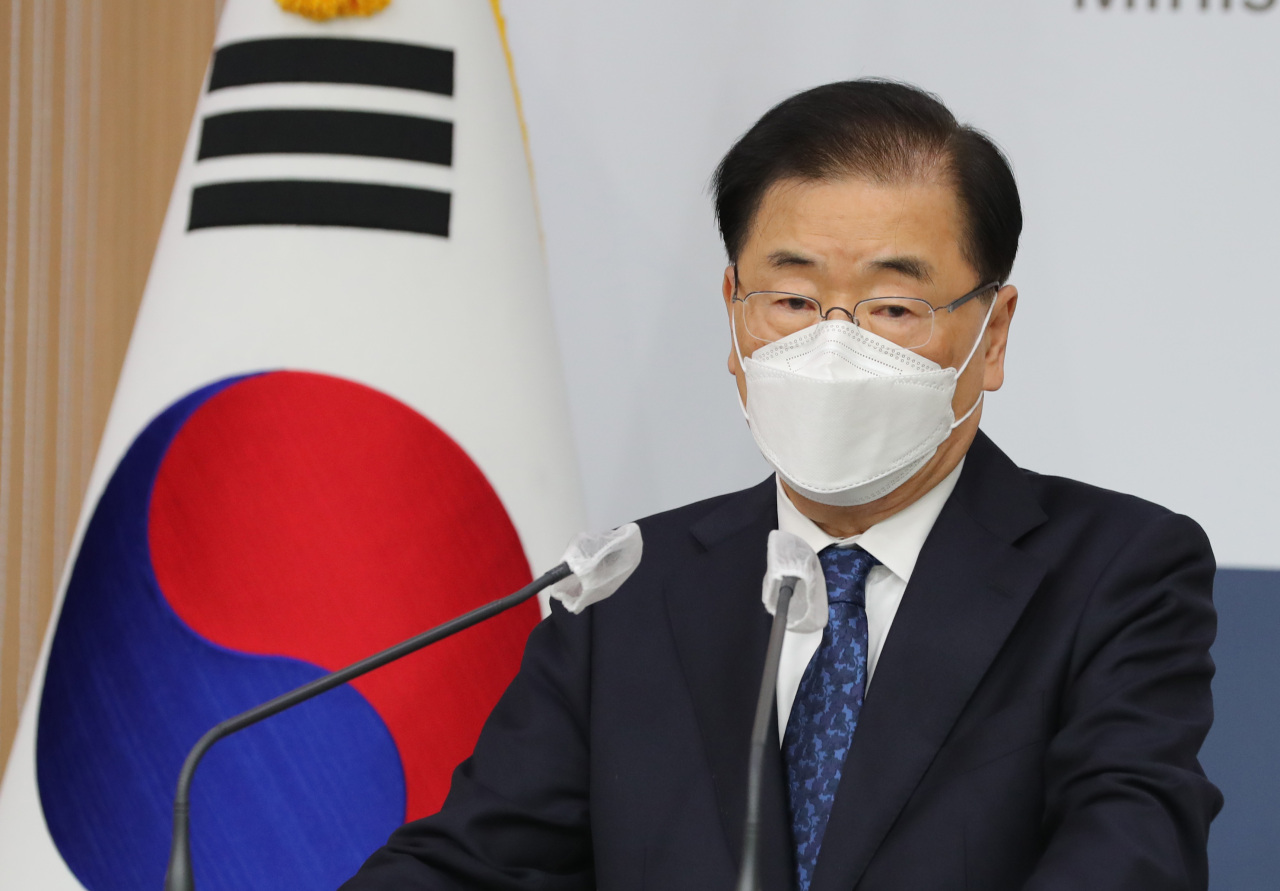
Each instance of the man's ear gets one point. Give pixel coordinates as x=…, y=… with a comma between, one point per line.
x=997, y=337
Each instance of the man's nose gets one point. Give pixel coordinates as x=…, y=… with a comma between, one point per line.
x=838, y=309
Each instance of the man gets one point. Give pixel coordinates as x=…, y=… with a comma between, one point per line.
x=1013, y=683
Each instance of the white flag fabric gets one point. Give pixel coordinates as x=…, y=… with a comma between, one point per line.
x=341, y=421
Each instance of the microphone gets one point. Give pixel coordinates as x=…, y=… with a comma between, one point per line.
x=594, y=567
x=795, y=594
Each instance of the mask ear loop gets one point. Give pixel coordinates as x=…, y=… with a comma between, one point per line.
x=967, y=359
x=733, y=328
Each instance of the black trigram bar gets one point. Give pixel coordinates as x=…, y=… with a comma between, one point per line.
x=333, y=60
x=318, y=203
x=325, y=132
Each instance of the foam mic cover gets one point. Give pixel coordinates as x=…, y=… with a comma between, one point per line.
x=600, y=563
x=790, y=557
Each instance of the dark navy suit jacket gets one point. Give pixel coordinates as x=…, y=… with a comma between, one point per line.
x=1034, y=723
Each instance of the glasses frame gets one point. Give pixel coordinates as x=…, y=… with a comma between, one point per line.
x=852, y=314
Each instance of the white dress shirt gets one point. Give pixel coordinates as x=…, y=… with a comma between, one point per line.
x=896, y=543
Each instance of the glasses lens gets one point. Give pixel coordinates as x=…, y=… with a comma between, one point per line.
x=906, y=321
x=772, y=315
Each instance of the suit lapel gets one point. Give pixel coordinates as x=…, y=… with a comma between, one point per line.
x=721, y=632
x=968, y=589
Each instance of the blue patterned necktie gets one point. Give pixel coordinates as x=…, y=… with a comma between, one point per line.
x=827, y=705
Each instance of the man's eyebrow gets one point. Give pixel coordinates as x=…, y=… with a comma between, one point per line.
x=912, y=267
x=783, y=258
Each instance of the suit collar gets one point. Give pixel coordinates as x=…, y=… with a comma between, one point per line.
x=721, y=631
x=736, y=512
x=968, y=590
x=995, y=492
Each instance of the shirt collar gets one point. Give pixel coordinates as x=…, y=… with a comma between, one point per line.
x=895, y=541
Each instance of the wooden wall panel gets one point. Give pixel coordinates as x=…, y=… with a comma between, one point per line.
x=96, y=97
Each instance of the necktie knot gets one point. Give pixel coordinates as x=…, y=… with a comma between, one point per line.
x=845, y=571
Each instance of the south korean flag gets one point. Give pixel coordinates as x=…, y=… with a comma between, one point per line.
x=341, y=421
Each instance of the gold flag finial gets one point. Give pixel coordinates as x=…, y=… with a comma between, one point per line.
x=321, y=10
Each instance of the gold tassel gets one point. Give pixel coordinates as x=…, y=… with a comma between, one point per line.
x=320, y=10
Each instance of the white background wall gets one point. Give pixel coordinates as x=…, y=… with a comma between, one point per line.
x=1145, y=143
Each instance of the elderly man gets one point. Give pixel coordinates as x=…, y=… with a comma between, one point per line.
x=1039, y=648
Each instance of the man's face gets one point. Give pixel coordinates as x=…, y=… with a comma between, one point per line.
x=841, y=241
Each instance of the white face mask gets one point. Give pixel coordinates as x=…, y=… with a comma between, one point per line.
x=844, y=415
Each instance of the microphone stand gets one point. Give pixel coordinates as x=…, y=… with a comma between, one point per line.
x=749, y=871
x=179, y=876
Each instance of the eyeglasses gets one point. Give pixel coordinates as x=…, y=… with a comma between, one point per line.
x=906, y=321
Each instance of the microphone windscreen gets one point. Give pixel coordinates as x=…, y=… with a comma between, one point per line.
x=791, y=557
x=600, y=563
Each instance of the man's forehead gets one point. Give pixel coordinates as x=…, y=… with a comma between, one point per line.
x=910, y=265
x=906, y=228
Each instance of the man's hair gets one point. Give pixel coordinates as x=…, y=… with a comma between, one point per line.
x=884, y=132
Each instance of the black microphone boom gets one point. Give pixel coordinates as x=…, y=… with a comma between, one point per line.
x=748, y=872
x=179, y=876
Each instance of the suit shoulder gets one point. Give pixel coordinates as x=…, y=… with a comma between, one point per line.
x=674, y=537
x=1107, y=514
x=683, y=523
x=1059, y=494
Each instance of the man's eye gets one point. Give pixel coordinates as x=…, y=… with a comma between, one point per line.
x=795, y=304
x=891, y=310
